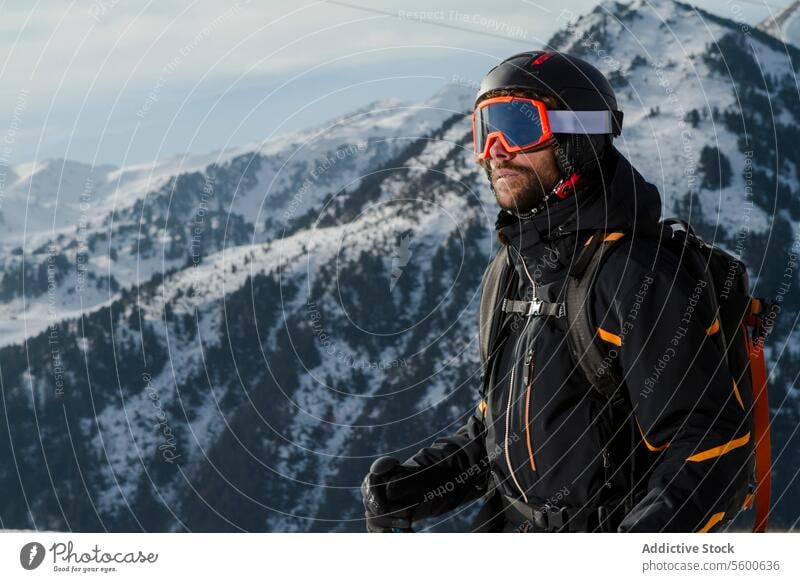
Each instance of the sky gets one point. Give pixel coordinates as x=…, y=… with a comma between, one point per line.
x=128, y=82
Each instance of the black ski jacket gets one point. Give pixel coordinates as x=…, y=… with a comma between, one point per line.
x=663, y=455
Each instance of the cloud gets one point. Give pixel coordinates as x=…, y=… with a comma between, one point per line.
x=88, y=67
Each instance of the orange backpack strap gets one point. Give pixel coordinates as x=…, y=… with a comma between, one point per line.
x=758, y=371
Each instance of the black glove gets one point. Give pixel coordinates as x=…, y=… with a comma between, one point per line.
x=396, y=495
x=383, y=515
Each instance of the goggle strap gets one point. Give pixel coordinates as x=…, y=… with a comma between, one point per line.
x=582, y=122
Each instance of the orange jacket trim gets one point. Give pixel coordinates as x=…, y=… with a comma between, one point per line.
x=712, y=521
x=609, y=337
x=720, y=450
x=736, y=393
x=647, y=444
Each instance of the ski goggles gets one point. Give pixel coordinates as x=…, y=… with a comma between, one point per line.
x=521, y=124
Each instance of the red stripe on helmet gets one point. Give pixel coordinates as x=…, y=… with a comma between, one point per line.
x=543, y=56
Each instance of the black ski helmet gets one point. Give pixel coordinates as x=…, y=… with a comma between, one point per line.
x=576, y=85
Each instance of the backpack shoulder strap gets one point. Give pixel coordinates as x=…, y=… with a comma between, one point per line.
x=587, y=353
x=489, y=291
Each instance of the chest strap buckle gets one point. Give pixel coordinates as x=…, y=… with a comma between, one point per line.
x=534, y=308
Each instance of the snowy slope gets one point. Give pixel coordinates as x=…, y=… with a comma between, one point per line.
x=102, y=229
x=663, y=72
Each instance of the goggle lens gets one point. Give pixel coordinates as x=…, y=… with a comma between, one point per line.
x=519, y=121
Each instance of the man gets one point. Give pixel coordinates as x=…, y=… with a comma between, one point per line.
x=546, y=450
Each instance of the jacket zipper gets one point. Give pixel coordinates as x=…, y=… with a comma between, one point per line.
x=508, y=414
x=529, y=381
x=606, y=467
x=511, y=385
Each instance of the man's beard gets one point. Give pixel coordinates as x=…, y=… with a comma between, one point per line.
x=529, y=194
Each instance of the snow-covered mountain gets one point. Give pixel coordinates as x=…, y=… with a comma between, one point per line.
x=75, y=235
x=225, y=343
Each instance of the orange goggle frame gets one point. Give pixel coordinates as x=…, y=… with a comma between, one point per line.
x=521, y=124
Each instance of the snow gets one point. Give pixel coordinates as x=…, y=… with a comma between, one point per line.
x=676, y=81
x=88, y=197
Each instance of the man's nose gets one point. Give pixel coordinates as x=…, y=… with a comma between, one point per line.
x=498, y=152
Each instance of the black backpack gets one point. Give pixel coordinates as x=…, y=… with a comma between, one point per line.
x=740, y=327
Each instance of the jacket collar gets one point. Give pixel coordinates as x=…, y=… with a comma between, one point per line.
x=622, y=201
x=619, y=198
